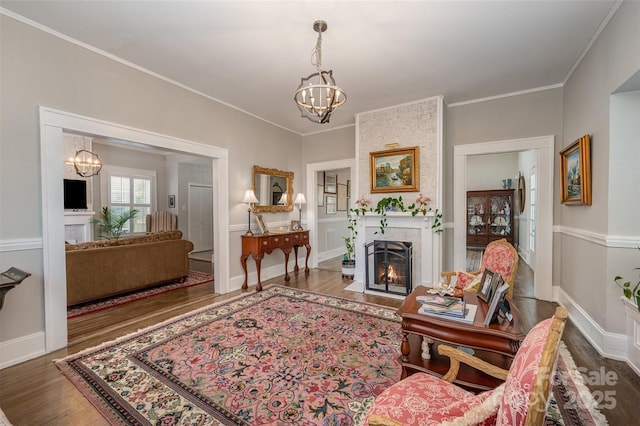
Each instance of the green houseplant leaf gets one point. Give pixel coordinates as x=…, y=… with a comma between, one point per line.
x=111, y=224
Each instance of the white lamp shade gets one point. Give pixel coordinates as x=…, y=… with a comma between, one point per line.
x=250, y=197
x=283, y=199
x=300, y=199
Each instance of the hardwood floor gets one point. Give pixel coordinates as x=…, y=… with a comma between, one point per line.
x=36, y=393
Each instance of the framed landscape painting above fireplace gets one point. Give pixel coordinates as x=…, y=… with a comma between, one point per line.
x=395, y=170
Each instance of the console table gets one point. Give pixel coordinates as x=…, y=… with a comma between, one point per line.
x=495, y=343
x=258, y=245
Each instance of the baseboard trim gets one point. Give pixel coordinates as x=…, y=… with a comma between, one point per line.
x=22, y=349
x=609, y=345
x=330, y=254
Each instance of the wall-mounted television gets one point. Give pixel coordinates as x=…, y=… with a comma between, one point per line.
x=75, y=194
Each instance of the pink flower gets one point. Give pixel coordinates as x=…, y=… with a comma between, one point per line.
x=364, y=202
x=422, y=199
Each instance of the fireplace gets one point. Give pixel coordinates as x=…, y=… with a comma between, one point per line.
x=388, y=266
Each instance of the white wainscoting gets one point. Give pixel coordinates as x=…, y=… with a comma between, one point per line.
x=30, y=346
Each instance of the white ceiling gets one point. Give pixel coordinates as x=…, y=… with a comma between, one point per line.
x=252, y=54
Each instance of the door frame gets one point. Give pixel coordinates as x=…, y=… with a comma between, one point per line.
x=52, y=124
x=312, y=202
x=544, y=148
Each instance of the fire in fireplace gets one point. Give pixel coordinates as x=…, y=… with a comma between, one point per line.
x=388, y=266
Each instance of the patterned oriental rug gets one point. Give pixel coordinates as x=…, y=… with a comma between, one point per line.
x=281, y=356
x=194, y=278
x=278, y=356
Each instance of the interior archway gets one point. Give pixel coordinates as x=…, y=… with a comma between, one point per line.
x=52, y=124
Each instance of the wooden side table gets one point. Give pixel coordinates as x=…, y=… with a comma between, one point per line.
x=258, y=245
x=495, y=343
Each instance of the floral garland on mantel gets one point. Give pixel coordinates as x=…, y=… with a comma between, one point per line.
x=396, y=204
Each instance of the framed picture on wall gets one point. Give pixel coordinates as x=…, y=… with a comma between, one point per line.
x=330, y=183
x=395, y=170
x=172, y=201
x=342, y=197
x=331, y=204
x=575, y=172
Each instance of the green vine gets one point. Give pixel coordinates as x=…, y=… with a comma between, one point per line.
x=397, y=204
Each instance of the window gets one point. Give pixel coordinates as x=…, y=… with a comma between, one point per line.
x=532, y=210
x=128, y=189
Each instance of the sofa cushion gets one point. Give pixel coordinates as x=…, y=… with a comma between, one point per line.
x=138, y=239
x=423, y=399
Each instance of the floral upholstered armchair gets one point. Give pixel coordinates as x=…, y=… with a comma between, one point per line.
x=423, y=399
x=499, y=256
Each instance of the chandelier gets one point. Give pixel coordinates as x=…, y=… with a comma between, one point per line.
x=318, y=96
x=86, y=163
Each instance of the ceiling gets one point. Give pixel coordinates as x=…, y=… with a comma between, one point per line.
x=252, y=54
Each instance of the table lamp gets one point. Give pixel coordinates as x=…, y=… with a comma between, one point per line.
x=249, y=199
x=300, y=200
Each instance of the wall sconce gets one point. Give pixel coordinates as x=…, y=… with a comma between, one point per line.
x=249, y=199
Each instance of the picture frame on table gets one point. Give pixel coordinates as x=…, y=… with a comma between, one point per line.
x=261, y=226
x=487, y=285
x=331, y=204
x=498, y=299
x=295, y=225
x=330, y=183
x=395, y=170
x=575, y=173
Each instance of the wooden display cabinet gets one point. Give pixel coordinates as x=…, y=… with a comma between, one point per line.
x=490, y=217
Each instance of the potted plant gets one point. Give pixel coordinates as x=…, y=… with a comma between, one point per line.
x=111, y=224
x=630, y=290
x=349, y=261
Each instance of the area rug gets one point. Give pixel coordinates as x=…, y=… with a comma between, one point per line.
x=280, y=356
x=194, y=278
x=571, y=402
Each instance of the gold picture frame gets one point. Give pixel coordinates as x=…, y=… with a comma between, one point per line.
x=575, y=173
x=395, y=170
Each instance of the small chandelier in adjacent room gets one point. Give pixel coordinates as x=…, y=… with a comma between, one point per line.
x=318, y=96
x=87, y=163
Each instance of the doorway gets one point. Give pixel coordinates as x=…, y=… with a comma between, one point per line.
x=543, y=147
x=52, y=124
x=312, y=196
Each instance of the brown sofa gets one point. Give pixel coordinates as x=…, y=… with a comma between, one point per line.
x=100, y=269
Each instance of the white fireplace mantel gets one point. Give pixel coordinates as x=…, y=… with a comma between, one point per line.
x=77, y=226
x=402, y=226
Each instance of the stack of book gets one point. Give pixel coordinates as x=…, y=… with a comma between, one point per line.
x=446, y=307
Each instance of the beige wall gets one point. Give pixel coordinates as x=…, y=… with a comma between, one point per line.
x=584, y=258
x=514, y=117
x=38, y=69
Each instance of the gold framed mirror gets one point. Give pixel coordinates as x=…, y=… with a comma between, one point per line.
x=274, y=190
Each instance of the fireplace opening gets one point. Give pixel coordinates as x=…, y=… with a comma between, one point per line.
x=388, y=266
